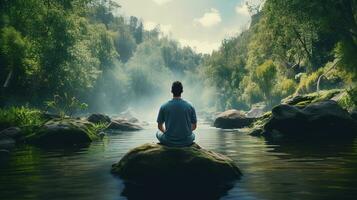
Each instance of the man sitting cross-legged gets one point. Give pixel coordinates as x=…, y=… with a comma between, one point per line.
x=180, y=120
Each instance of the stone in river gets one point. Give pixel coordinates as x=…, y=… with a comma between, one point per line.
x=176, y=171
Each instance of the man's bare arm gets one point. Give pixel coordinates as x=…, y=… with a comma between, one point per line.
x=161, y=127
x=194, y=126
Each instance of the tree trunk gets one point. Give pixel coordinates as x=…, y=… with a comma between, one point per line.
x=8, y=78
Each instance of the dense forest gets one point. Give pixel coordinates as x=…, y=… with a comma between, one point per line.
x=288, y=46
x=78, y=50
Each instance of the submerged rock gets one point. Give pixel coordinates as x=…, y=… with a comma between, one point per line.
x=63, y=132
x=232, y=119
x=176, y=168
x=99, y=118
x=123, y=125
x=324, y=118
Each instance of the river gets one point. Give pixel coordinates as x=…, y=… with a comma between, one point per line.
x=272, y=170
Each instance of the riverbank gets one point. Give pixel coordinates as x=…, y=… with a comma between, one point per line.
x=32, y=126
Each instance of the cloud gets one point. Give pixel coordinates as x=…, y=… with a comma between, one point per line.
x=210, y=18
x=161, y=2
x=242, y=9
x=164, y=28
x=200, y=46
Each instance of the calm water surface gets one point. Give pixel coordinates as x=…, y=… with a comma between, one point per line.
x=289, y=170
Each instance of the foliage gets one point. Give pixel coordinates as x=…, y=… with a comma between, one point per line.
x=308, y=82
x=265, y=76
x=81, y=48
x=252, y=93
x=349, y=99
x=346, y=52
x=23, y=117
x=284, y=88
x=98, y=127
x=65, y=105
x=300, y=38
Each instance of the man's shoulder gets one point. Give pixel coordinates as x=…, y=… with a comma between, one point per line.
x=171, y=103
x=188, y=103
x=166, y=104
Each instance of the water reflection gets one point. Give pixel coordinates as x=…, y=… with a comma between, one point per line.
x=272, y=169
x=174, y=191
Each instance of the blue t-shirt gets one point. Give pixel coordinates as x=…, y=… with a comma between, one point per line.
x=178, y=115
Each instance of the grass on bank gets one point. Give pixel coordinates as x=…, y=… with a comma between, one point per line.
x=23, y=117
x=31, y=119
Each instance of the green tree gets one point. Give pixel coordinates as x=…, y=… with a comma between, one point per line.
x=13, y=47
x=265, y=78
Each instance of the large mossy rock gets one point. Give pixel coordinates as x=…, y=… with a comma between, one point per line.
x=307, y=99
x=64, y=132
x=324, y=118
x=168, y=166
x=232, y=119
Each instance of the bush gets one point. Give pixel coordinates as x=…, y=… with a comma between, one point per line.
x=24, y=117
x=265, y=77
x=349, y=100
x=308, y=82
x=252, y=94
x=65, y=105
x=284, y=88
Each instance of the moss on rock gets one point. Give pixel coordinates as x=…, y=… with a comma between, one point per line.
x=63, y=132
x=304, y=100
x=185, y=166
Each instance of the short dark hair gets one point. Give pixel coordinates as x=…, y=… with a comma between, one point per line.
x=177, y=88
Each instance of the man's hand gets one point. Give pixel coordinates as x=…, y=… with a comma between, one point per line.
x=161, y=127
x=194, y=126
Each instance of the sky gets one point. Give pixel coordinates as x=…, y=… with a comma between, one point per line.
x=200, y=24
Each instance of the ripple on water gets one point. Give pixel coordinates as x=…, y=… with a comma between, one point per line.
x=271, y=170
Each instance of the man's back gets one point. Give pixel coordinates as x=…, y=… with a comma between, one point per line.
x=178, y=116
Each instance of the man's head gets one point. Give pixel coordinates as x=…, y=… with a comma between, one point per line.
x=177, y=88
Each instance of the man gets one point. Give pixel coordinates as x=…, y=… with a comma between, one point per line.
x=180, y=120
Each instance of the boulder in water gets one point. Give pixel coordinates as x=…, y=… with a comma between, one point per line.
x=154, y=171
x=123, y=125
x=9, y=136
x=255, y=112
x=99, y=118
x=64, y=132
x=133, y=120
x=12, y=132
x=232, y=119
x=6, y=141
x=324, y=118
